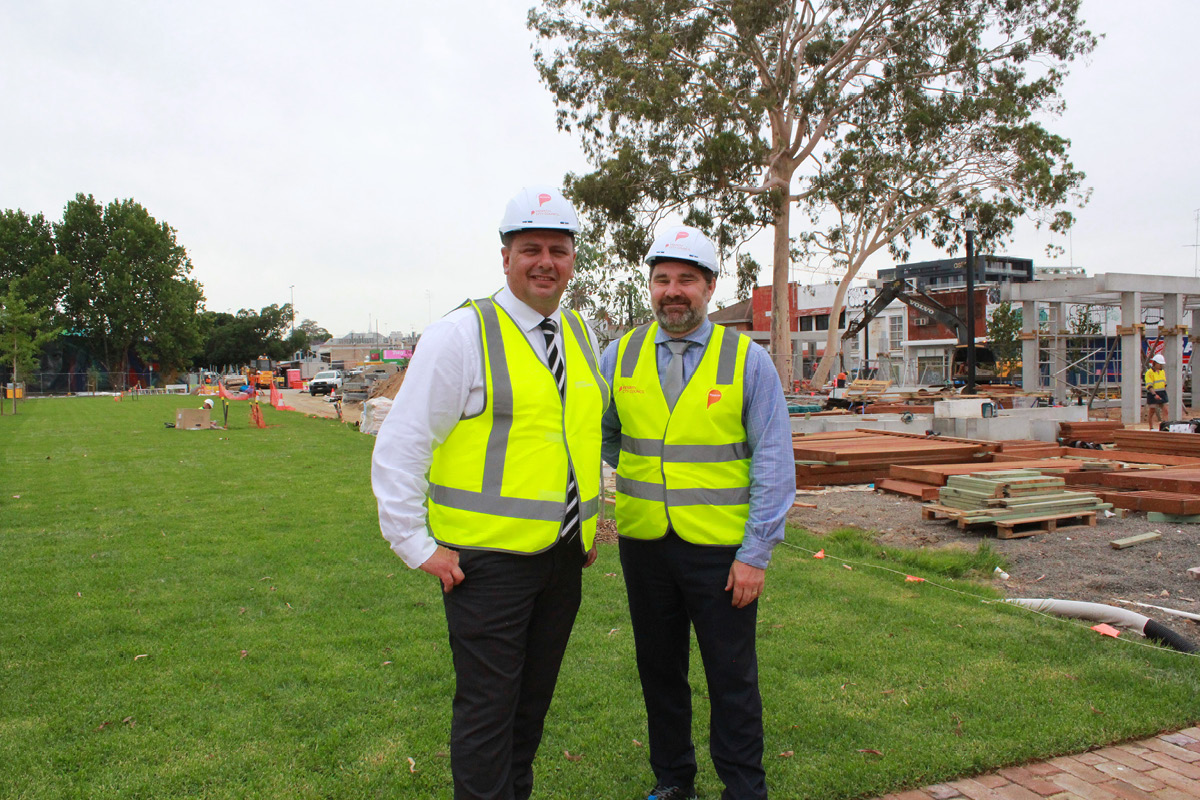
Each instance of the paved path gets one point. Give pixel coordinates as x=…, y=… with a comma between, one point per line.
x=1166, y=767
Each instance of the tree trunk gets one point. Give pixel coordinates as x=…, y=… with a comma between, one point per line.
x=832, y=338
x=781, y=338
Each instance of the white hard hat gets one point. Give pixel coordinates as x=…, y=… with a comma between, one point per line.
x=1158, y=359
x=539, y=208
x=208, y=403
x=684, y=243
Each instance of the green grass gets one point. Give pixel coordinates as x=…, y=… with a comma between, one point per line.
x=214, y=614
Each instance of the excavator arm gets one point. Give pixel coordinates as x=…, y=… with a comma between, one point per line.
x=914, y=298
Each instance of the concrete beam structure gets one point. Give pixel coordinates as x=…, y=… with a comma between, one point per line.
x=1131, y=293
x=1106, y=290
x=1058, y=352
x=1131, y=358
x=1173, y=353
x=1030, y=378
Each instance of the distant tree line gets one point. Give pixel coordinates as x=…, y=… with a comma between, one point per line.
x=118, y=283
x=111, y=276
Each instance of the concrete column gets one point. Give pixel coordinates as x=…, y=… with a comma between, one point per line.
x=1173, y=353
x=1131, y=358
x=1058, y=351
x=1030, y=377
x=1194, y=335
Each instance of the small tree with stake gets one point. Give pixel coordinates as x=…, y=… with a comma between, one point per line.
x=22, y=334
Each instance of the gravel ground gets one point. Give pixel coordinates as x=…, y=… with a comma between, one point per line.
x=1071, y=563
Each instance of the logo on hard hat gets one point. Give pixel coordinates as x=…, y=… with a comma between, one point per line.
x=681, y=235
x=713, y=396
x=543, y=199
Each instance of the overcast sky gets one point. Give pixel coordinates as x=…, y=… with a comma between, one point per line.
x=363, y=152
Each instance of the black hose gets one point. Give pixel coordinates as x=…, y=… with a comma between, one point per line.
x=1161, y=633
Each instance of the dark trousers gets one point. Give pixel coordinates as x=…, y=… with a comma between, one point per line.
x=509, y=622
x=673, y=584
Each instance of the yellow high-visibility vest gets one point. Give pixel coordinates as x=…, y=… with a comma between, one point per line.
x=687, y=468
x=1156, y=379
x=499, y=480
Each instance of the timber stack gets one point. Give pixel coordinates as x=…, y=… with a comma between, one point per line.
x=865, y=456
x=1011, y=498
x=1099, y=431
x=1180, y=444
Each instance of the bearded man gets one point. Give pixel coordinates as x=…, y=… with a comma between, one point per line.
x=698, y=431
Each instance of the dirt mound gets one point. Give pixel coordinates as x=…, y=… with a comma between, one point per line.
x=389, y=387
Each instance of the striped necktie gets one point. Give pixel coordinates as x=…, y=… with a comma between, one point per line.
x=554, y=360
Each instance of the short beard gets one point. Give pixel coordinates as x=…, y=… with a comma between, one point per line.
x=679, y=321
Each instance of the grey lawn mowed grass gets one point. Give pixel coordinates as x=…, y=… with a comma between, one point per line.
x=214, y=614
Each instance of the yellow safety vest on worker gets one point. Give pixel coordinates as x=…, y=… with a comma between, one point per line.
x=499, y=480
x=1156, y=379
x=687, y=468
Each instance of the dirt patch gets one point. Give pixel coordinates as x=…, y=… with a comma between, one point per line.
x=320, y=406
x=1074, y=563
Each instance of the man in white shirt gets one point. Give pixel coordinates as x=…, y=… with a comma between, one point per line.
x=486, y=473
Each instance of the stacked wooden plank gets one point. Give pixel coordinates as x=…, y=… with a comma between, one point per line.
x=921, y=491
x=898, y=408
x=1093, y=432
x=937, y=474
x=1176, y=503
x=1011, y=498
x=1024, y=449
x=865, y=456
x=1179, y=444
x=1185, y=480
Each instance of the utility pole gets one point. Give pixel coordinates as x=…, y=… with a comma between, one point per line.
x=969, y=227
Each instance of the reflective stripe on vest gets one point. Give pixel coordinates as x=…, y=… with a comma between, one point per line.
x=688, y=468
x=514, y=497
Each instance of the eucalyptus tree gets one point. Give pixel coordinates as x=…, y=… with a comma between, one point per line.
x=727, y=112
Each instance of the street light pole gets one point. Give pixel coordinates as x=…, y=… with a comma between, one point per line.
x=969, y=227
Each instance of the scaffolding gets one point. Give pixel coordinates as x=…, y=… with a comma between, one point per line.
x=1142, y=302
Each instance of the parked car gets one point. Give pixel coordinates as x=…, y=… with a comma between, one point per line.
x=325, y=382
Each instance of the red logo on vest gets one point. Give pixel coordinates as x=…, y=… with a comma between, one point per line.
x=713, y=396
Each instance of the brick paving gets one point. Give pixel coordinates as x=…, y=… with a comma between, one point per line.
x=1165, y=767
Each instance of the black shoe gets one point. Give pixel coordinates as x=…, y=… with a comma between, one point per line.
x=661, y=792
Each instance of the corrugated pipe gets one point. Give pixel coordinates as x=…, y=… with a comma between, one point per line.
x=1098, y=612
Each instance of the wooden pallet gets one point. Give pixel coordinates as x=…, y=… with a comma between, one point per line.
x=1006, y=528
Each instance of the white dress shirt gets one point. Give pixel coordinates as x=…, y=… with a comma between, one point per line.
x=443, y=384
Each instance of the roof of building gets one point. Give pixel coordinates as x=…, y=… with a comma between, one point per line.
x=738, y=312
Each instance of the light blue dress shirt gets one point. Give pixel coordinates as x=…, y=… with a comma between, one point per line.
x=768, y=430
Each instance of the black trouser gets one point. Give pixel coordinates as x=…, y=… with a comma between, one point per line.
x=509, y=622
x=672, y=584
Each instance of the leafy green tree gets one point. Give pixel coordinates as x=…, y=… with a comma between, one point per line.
x=315, y=332
x=29, y=261
x=239, y=339
x=1004, y=337
x=605, y=289
x=727, y=113
x=23, y=332
x=128, y=288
